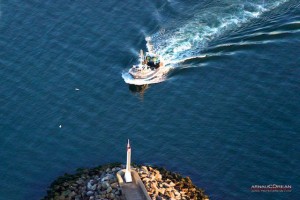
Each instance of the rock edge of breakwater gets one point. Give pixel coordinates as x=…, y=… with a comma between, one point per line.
x=100, y=183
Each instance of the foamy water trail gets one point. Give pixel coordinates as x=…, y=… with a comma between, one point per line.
x=189, y=40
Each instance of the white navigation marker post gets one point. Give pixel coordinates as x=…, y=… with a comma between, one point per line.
x=128, y=177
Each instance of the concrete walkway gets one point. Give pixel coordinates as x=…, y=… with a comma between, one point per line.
x=134, y=190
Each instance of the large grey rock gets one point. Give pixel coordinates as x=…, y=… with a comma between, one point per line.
x=73, y=194
x=91, y=185
x=80, y=182
x=92, y=198
x=105, y=185
x=118, y=193
x=99, y=187
x=114, y=185
x=117, y=169
x=111, y=196
x=108, y=177
x=90, y=193
x=109, y=189
x=78, y=197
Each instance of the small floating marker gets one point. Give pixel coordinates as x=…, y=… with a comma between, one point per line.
x=60, y=126
x=76, y=89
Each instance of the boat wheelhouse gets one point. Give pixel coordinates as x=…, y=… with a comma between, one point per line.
x=149, y=65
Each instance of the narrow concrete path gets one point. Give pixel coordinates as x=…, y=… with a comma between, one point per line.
x=132, y=191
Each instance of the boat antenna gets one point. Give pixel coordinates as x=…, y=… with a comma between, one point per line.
x=149, y=45
x=141, y=56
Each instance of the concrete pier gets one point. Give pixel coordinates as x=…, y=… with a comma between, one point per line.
x=134, y=190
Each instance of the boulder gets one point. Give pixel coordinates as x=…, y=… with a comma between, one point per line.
x=105, y=185
x=109, y=189
x=91, y=185
x=143, y=175
x=162, y=190
x=144, y=169
x=78, y=197
x=108, y=178
x=90, y=193
x=101, y=183
x=146, y=180
x=171, y=184
x=111, y=196
x=99, y=187
x=72, y=194
x=118, y=193
x=114, y=185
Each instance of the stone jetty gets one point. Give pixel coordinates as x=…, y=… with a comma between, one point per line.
x=164, y=185
x=87, y=184
x=101, y=183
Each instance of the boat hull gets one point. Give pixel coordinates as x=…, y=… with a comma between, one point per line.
x=149, y=75
x=143, y=76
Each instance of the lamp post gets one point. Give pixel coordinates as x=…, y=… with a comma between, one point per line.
x=128, y=177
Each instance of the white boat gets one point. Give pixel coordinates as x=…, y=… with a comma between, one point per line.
x=150, y=64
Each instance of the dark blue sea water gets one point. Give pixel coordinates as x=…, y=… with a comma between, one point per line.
x=227, y=115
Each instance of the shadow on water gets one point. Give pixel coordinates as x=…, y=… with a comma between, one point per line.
x=138, y=89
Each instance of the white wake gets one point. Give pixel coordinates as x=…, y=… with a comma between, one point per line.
x=187, y=42
x=195, y=35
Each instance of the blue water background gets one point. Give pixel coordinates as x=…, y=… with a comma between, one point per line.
x=229, y=120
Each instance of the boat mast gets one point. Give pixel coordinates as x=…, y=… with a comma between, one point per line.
x=141, y=57
x=149, y=45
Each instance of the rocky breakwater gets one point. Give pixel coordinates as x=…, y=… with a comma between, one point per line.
x=87, y=184
x=100, y=183
x=162, y=184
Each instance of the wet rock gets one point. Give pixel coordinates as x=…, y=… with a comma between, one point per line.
x=158, y=176
x=117, y=192
x=162, y=184
x=115, y=185
x=108, y=177
x=86, y=184
x=90, y=193
x=72, y=194
x=77, y=197
x=111, y=196
x=99, y=187
x=144, y=169
x=91, y=185
x=80, y=182
x=109, y=189
x=105, y=185
x=101, y=183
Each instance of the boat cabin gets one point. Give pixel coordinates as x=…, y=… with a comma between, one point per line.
x=152, y=61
